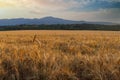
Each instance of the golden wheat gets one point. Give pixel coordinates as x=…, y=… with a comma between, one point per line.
x=59, y=55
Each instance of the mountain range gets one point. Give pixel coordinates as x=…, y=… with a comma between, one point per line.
x=46, y=20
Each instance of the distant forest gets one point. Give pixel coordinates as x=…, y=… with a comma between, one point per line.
x=62, y=27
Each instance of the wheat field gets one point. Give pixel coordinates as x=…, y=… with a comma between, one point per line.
x=59, y=55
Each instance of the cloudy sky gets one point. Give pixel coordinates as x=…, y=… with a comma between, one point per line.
x=88, y=10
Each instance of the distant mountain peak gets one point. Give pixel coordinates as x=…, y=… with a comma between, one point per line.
x=49, y=17
x=45, y=20
x=52, y=18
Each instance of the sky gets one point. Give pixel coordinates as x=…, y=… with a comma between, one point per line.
x=85, y=10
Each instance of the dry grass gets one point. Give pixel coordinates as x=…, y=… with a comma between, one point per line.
x=59, y=55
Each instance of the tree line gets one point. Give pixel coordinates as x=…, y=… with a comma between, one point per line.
x=62, y=27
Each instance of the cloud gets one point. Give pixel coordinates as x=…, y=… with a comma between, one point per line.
x=5, y=4
x=111, y=14
x=61, y=5
x=52, y=5
x=91, y=10
x=106, y=15
x=111, y=0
